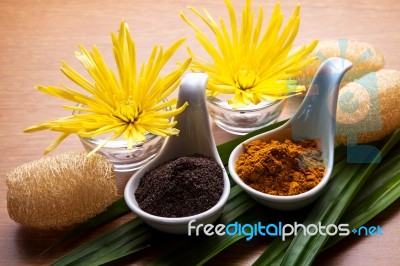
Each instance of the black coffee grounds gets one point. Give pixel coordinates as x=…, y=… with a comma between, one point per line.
x=181, y=187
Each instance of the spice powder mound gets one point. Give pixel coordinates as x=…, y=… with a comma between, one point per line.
x=281, y=168
x=181, y=187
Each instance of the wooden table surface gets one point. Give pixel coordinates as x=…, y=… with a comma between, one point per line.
x=36, y=35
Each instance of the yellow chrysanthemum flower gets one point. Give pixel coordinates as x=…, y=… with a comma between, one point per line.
x=248, y=64
x=131, y=106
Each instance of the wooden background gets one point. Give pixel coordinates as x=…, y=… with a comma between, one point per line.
x=37, y=34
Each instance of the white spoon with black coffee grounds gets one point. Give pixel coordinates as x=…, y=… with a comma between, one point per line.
x=195, y=137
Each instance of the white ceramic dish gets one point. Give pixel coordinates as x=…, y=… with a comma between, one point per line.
x=315, y=119
x=194, y=137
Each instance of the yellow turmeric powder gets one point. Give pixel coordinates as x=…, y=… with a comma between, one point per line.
x=281, y=168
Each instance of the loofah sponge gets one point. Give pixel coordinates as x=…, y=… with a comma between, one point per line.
x=365, y=58
x=60, y=191
x=368, y=104
x=369, y=108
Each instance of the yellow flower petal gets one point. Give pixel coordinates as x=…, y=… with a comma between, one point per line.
x=55, y=143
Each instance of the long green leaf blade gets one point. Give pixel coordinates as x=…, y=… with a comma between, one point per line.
x=273, y=255
x=378, y=194
x=98, y=247
x=142, y=242
x=329, y=209
x=381, y=185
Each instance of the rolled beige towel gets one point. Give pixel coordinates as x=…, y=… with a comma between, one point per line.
x=60, y=191
x=369, y=108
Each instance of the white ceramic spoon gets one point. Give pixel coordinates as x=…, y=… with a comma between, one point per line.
x=315, y=119
x=195, y=137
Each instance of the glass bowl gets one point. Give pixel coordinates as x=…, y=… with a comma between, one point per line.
x=125, y=160
x=245, y=119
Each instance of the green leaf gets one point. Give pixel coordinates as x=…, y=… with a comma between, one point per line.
x=386, y=170
x=146, y=240
x=381, y=190
x=274, y=254
x=330, y=207
x=100, y=247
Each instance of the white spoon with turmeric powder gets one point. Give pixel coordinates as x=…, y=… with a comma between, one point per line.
x=315, y=120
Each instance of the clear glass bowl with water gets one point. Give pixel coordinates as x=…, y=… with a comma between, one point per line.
x=245, y=119
x=125, y=160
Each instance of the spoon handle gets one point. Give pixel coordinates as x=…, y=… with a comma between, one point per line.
x=195, y=132
x=317, y=114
